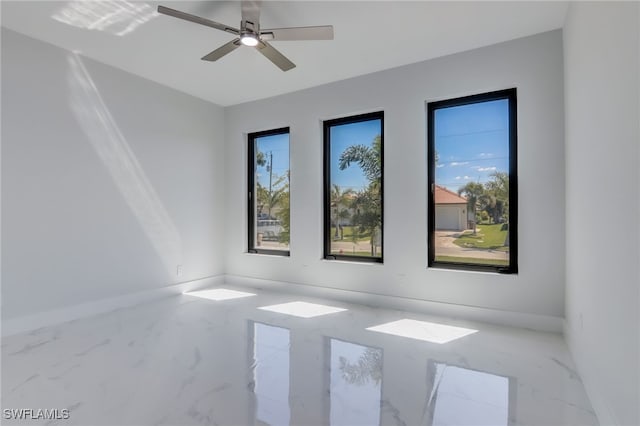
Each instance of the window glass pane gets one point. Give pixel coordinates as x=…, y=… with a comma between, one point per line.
x=270, y=228
x=354, y=189
x=356, y=384
x=471, y=198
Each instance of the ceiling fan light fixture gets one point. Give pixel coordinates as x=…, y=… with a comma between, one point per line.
x=249, y=39
x=249, y=33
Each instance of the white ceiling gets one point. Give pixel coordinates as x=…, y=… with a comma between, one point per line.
x=369, y=36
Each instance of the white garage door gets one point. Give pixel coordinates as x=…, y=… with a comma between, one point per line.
x=448, y=217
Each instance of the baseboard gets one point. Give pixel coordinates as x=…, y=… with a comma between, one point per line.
x=472, y=313
x=44, y=319
x=603, y=412
x=530, y=321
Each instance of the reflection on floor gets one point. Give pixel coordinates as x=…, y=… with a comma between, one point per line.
x=188, y=360
x=355, y=383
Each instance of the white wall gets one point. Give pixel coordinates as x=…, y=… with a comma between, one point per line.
x=602, y=92
x=109, y=181
x=532, y=64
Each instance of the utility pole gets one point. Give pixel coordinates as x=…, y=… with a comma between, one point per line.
x=270, y=169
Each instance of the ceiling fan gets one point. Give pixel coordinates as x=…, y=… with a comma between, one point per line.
x=250, y=34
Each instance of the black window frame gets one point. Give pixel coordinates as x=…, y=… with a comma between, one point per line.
x=327, y=124
x=511, y=96
x=251, y=171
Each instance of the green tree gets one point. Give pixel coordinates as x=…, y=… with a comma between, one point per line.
x=340, y=204
x=284, y=215
x=497, y=190
x=472, y=191
x=276, y=196
x=269, y=200
x=261, y=160
x=277, y=203
x=499, y=185
x=367, y=217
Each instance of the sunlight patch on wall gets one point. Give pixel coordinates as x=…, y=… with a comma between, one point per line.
x=219, y=294
x=95, y=119
x=302, y=309
x=117, y=17
x=423, y=330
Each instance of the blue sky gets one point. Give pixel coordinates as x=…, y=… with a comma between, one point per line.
x=278, y=145
x=472, y=142
x=343, y=136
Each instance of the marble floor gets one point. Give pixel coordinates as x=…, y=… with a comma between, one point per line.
x=218, y=359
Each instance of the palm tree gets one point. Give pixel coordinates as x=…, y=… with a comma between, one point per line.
x=367, y=206
x=368, y=367
x=340, y=203
x=369, y=158
x=498, y=187
x=472, y=191
x=368, y=203
x=273, y=197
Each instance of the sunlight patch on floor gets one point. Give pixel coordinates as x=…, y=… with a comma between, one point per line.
x=302, y=309
x=423, y=330
x=219, y=294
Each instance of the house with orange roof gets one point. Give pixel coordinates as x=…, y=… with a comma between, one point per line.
x=451, y=210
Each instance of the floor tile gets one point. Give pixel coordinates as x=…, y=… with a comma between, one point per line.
x=187, y=360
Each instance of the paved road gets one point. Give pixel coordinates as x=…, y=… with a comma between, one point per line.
x=446, y=247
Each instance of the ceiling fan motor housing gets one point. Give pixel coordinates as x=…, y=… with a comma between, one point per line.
x=249, y=33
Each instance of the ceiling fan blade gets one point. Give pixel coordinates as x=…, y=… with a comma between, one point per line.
x=275, y=56
x=197, y=20
x=324, y=32
x=222, y=50
x=251, y=11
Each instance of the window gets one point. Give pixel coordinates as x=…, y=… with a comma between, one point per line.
x=353, y=187
x=268, y=195
x=473, y=206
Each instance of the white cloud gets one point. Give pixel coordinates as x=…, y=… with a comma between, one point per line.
x=467, y=178
x=458, y=177
x=486, y=154
x=439, y=165
x=487, y=169
x=456, y=163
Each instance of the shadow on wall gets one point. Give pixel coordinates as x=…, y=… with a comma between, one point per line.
x=115, y=153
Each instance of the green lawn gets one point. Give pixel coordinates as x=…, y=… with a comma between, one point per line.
x=487, y=237
x=348, y=234
x=472, y=260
